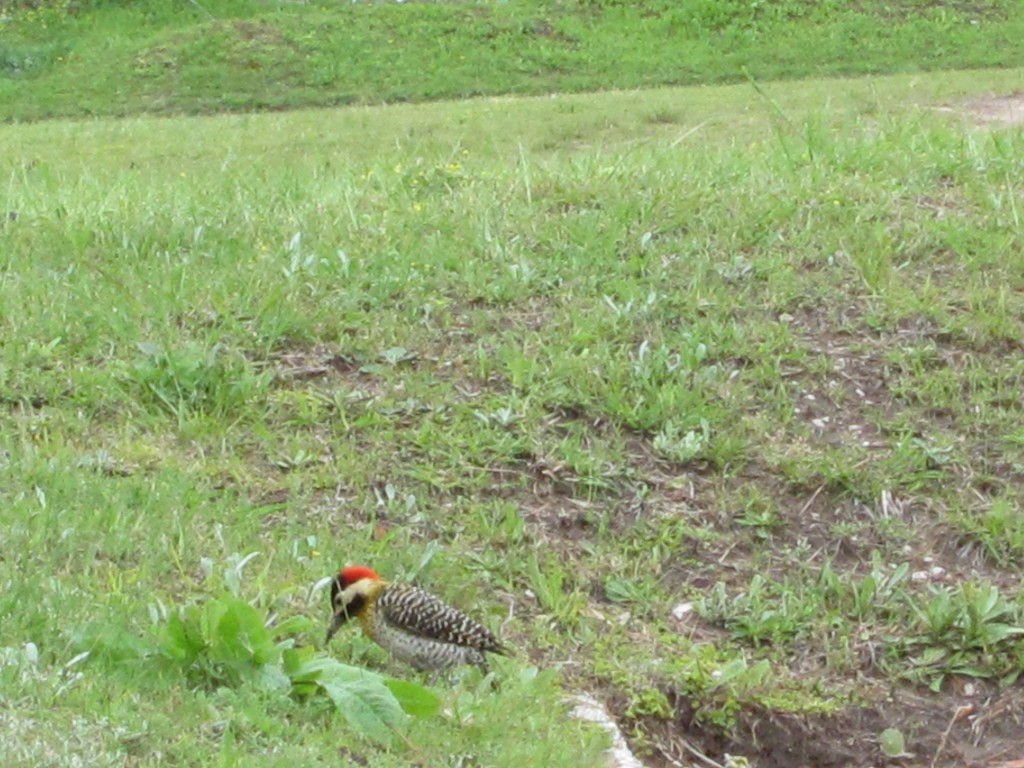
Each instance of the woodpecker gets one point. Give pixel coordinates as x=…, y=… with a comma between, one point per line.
x=411, y=624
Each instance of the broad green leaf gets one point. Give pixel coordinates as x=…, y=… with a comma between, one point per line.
x=971, y=670
x=995, y=633
x=415, y=699
x=241, y=636
x=293, y=659
x=292, y=626
x=326, y=668
x=731, y=670
x=989, y=601
x=209, y=617
x=226, y=642
x=929, y=657
x=1010, y=678
x=181, y=641
x=367, y=705
x=271, y=677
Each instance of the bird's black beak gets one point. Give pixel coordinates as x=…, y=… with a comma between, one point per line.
x=340, y=614
x=337, y=622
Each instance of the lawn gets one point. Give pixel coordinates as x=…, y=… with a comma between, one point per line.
x=74, y=58
x=706, y=400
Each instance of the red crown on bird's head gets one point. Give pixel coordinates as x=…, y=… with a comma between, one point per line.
x=353, y=573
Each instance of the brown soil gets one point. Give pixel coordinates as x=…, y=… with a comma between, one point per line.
x=997, y=111
x=971, y=728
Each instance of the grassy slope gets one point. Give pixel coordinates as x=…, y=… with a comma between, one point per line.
x=570, y=361
x=173, y=58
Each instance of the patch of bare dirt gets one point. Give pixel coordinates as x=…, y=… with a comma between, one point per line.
x=328, y=369
x=307, y=364
x=971, y=726
x=993, y=111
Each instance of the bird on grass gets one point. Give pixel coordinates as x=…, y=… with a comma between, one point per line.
x=411, y=624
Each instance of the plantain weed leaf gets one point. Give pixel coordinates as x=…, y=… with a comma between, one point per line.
x=270, y=677
x=415, y=699
x=182, y=640
x=227, y=643
x=294, y=659
x=310, y=670
x=363, y=700
x=996, y=632
x=240, y=636
x=292, y=626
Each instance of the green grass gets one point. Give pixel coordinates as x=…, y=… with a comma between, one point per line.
x=105, y=58
x=572, y=362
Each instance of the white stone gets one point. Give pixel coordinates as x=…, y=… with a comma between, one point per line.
x=590, y=709
x=680, y=611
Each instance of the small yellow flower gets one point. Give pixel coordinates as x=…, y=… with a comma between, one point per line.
x=417, y=207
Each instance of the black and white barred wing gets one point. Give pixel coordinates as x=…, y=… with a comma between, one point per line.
x=421, y=613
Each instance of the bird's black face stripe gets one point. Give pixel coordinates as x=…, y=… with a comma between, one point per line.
x=342, y=613
x=355, y=607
